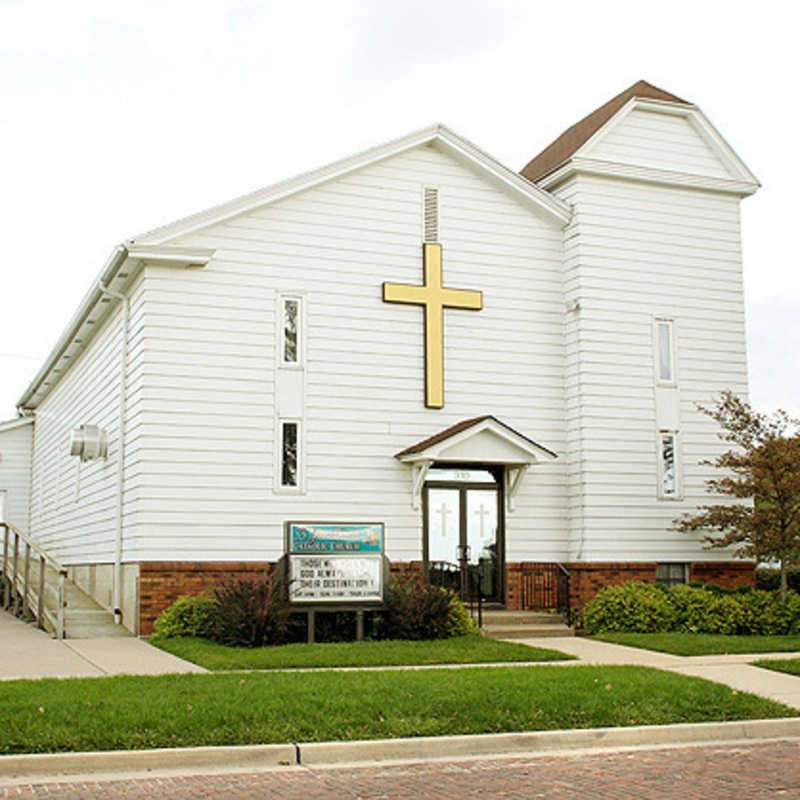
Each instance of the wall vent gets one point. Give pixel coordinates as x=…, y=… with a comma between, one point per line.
x=431, y=214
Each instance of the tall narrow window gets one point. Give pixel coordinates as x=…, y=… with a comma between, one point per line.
x=290, y=454
x=3, y=505
x=666, y=365
x=668, y=471
x=431, y=214
x=291, y=331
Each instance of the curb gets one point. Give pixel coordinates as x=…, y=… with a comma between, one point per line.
x=243, y=758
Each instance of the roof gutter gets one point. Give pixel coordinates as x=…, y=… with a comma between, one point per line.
x=110, y=269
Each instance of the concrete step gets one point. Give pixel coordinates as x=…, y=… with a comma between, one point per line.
x=521, y=618
x=526, y=631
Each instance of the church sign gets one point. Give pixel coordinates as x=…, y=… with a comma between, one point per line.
x=335, y=562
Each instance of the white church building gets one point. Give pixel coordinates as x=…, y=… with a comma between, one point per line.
x=493, y=368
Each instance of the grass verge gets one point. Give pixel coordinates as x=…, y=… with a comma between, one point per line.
x=791, y=666
x=137, y=712
x=703, y=644
x=459, y=650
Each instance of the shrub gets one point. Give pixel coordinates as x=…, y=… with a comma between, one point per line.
x=769, y=578
x=763, y=613
x=642, y=608
x=188, y=616
x=632, y=606
x=252, y=613
x=415, y=611
x=460, y=621
x=702, y=610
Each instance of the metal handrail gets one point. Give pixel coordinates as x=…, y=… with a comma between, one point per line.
x=16, y=581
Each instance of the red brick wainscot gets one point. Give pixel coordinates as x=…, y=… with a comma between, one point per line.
x=587, y=579
x=161, y=583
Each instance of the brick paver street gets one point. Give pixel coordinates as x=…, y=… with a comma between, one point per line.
x=713, y=772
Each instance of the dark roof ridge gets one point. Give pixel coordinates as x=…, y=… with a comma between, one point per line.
x=572, y=139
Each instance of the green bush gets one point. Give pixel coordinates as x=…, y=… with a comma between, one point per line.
x=459, y=620
x=252, y=612
x=415, y=611
x=632, y=606
x=702, y=610
x=769, y=578
x=188, y=616
x=705, y=608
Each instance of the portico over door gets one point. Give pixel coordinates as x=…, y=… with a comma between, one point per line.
x=482, y=442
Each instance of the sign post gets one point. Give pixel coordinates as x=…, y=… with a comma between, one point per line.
x=335, y=566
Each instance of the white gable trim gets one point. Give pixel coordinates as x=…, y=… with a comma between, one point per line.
x=437, y=135
x=742, y=182
x=525, y=451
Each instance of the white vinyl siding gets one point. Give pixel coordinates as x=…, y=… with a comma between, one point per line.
x=16, y=444
x=661, y=141
x=638, y=252
x=212, y=426
x=73, y=505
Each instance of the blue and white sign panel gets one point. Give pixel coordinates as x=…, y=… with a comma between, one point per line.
x=335, y=562
x=314, y=537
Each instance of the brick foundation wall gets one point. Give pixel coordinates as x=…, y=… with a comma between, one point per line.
x=161, y=583
x=730, y=574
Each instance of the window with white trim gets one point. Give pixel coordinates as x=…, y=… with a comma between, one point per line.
x=668, y=466
x=665, y=352
x=291, y=330
x=290, y=463
x=3, y=495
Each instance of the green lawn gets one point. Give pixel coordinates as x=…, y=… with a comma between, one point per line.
x=789, y=665
x=459, y=650
x=137, y=712
x=703, y=644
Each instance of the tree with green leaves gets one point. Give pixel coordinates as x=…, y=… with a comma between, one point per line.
x=762, y=465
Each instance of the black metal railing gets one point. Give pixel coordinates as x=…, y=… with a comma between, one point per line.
x=545, y=587
x=467, y=581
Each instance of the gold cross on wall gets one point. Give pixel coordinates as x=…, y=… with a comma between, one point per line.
x=434, y=298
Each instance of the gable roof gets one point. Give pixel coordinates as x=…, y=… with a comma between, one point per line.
x=470, y=427
x=11, y=424
x=437, y=135
x=558, y=151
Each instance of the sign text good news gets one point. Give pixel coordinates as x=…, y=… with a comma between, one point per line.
x=339, y=578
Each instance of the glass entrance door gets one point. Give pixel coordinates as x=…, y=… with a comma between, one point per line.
x=463, y=542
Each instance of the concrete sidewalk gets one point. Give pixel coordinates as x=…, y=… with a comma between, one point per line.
x=27, y=652
x=733, y=670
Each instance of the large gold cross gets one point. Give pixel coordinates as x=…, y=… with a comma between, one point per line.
x=434, y=298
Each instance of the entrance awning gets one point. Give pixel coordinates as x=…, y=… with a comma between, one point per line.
x=482, y=440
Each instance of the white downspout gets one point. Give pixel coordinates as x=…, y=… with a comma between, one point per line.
x=123, y=398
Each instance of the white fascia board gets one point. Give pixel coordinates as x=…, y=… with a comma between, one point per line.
x=532, y=451
x=616, y=169
x=16, y=423
x=119, y=270
x=300, y=183
x=466, y=150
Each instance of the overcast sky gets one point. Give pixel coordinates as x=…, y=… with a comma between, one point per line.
x=118, y=117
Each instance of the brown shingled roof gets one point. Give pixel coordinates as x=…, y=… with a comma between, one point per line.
x=457, y=428
x=442, y=435
x=575, y=137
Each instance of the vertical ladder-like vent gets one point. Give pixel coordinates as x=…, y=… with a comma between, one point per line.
x=431, y=214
